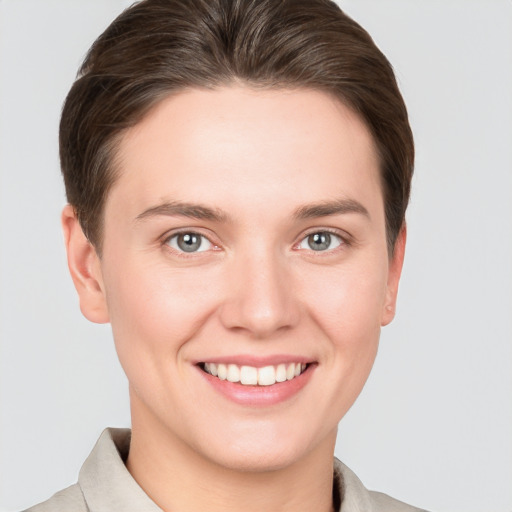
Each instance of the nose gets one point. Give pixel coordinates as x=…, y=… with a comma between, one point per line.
x=260, y=298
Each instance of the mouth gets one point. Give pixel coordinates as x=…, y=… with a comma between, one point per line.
x=255, y=376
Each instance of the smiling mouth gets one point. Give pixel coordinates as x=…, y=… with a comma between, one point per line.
x=253, y=376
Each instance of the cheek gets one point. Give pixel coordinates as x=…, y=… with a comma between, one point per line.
x=154, y=310
x=348, y=310
x=348, y=302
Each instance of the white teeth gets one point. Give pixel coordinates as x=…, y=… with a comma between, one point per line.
x=249, y=375
x=233, y=373
x=281, y=373
x=290, y=371
x=222, y=371
x=266, y=376
x=252, y=376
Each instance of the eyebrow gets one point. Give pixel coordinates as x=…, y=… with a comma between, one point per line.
x=178, y=208
x=202, y=212
x=326, y=208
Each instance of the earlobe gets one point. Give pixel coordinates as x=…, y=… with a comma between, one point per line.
x=85, y=269
x=395, y=271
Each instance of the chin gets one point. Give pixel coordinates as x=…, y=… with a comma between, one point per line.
x=265, y=450
x=257, y=460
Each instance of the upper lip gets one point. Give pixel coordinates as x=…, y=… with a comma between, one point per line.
x=257, y=361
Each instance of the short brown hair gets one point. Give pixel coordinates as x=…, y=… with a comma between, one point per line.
x=157, y=47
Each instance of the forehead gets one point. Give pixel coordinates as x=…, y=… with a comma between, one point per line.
x=237, y=141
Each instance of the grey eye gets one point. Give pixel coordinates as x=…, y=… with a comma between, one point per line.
x=189, y=242
x=321, y=241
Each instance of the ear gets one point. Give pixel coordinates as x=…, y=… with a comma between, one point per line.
x=395, y=271
x=85, y=268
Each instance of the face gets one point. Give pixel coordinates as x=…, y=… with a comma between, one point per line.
x=245, y=271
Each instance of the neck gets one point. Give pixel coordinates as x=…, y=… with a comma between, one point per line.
x=176, y=477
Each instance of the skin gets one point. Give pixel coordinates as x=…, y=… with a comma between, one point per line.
x=256, y=158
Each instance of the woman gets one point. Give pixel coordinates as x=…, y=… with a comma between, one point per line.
x=237, y=175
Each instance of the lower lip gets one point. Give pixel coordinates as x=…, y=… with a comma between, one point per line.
x=259, y=395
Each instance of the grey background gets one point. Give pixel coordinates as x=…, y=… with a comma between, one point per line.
x=434, y=424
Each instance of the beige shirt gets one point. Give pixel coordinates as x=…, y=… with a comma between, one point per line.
x=105, y=485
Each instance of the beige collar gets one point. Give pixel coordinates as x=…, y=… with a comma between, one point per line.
x=107, y=485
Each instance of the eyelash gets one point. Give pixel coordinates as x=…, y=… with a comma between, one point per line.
x=183, y=254
x=344, y=240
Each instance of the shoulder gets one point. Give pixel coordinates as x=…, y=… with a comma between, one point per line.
x=384, y=503
x=70, y=499
x=357, y=498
